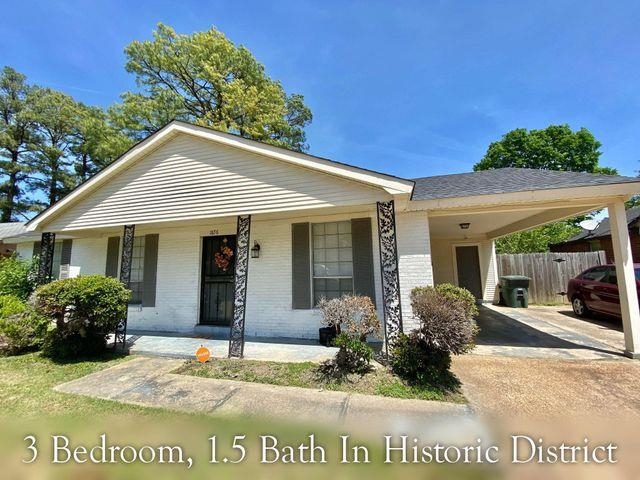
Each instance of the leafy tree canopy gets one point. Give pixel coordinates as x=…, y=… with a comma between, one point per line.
x=205, y=79
x=538, y=239
x=556, y=147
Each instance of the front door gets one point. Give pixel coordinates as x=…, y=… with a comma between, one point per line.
x=218, y=264
x=468, y=266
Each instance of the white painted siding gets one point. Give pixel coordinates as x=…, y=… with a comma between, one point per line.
x=189, y=178
x=414, y=260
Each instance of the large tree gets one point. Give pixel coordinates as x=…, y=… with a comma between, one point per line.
x=16, y=136
x=556, y=147
x=95, y=143
x=56, y=116
x=205, y=79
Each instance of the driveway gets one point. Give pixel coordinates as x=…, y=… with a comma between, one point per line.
x=546, y=332
x=543, y=362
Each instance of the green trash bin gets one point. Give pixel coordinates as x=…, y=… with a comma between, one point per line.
x=514, y=291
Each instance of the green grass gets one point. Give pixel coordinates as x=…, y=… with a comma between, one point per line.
x=27, y=381
x=378, y=382
x=30, y=406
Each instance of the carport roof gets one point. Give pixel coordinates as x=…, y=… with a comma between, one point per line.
x=507, y=180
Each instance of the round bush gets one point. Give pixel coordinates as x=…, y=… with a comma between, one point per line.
x=445, y=320
x=17, y=277
x=22, y=331
x=85, y=309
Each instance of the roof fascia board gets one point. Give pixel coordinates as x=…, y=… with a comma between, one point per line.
x=597, y=194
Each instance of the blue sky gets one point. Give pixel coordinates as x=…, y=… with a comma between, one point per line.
x=409, y=88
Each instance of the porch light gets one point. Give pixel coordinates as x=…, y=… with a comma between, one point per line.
x=255, y=250
x=465, y=226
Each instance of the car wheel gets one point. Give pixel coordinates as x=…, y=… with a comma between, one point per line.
x=579, y=308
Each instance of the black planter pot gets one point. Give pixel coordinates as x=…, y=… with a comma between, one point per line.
x=326, y=335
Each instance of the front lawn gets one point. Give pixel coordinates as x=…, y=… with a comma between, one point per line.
x=27, y=381
x=378, y=382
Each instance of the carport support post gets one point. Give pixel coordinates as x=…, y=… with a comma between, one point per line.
x=626, y=278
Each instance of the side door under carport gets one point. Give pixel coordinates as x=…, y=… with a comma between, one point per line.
x=468, y=269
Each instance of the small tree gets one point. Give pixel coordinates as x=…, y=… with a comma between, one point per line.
x=355, y=317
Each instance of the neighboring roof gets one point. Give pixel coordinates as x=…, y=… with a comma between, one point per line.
x=11, y=229
x=389, y=183
x=507, y=180
x=603, y=229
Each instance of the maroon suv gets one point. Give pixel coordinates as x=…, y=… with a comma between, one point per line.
x=596, y=290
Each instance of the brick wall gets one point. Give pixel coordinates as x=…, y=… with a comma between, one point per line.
x=269, y=289
x=605, y=244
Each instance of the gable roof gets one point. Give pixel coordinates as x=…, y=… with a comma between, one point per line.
x=507, y=180
x=389, y=183
x=603, y=229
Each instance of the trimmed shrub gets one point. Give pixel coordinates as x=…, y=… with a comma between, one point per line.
x=85, y=310
x=21, y=328
x=420, y=365
x=11, y=305
x=18, y=277
x=447, y=327
x=464, y=296
x=445, y=320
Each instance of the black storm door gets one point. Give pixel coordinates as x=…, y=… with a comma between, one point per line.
x=218, y=265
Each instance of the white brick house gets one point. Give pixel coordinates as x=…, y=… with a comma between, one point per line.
x=316, y=222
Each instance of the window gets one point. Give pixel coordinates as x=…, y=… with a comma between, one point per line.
x=595, y=245
x=57, y=260
x=332, y=260
x=596, y=274
x=137, y=270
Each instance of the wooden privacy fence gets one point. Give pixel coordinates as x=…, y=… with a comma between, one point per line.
x=549, y=272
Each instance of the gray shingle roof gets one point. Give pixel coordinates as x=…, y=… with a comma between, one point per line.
x=11, y=229
x=603, y=229
x=506, y=180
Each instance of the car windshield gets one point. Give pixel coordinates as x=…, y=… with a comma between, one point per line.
x=638, y=273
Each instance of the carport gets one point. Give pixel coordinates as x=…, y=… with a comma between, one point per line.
x=468, y=211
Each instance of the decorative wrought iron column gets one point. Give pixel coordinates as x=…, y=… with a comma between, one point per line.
x=125, y=277
x=45, y=267
x=389, y=269
x=236, y=336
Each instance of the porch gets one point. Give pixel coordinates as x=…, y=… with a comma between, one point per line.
x=264, y=349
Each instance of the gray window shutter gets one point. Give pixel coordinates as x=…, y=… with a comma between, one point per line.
x=113, y=252
x=65, y=255
x=301, y=259
x=37, y=248
x=363, y=283
x=150, y=270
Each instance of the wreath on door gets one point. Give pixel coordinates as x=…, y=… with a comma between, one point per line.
x=223, y=256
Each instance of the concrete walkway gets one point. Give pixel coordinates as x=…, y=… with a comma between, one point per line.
x=541, y=332
x=149, y=382
x=269, y=349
